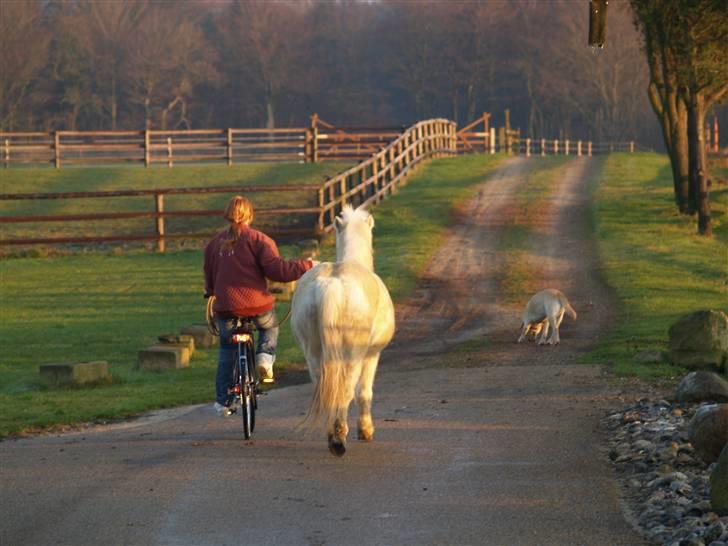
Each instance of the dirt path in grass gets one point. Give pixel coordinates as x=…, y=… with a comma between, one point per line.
x=460, y=297
x=479, y=440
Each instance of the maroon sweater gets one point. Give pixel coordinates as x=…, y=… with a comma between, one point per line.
x=237, y=275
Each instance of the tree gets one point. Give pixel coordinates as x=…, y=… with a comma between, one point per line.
x=168, y=57
x=686, y=42
x=24, y=45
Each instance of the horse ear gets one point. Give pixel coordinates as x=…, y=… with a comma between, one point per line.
x=370, y=221
x=338, y=224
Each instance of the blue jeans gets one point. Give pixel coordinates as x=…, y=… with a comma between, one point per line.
x=267, y=326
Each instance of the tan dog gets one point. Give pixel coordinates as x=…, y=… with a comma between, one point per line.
x=544, y=311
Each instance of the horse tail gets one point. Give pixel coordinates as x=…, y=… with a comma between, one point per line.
x=330, y=389
x=570, y=310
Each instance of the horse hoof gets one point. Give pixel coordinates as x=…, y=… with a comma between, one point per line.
x=366, y=436
x=337, y=447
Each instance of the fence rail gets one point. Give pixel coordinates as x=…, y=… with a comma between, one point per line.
x=369, y=181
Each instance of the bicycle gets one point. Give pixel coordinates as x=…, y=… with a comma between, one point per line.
x=244, y=390
x=245, y=380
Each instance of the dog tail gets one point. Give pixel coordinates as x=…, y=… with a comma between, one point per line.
x=569, y=310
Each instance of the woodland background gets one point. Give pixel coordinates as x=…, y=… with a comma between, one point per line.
x=134, y=64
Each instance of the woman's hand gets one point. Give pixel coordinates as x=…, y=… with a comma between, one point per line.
x=314, y=263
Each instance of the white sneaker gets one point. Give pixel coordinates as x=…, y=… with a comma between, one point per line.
x=264, y=363
x=222, y=411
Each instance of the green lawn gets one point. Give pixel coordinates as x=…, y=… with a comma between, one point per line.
x=652, y=257
x=95, y=305
x=106, y=305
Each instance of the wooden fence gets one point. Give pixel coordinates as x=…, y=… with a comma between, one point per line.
x=369, y=181
x=321, y=141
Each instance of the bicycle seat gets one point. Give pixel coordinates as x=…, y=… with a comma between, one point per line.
x=244, y=325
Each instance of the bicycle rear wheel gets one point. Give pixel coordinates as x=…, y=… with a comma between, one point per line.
x=247, y=396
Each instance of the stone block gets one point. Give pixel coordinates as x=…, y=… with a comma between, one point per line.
x=708, y=431
x=74, y=373
x=719, y=484
x=700, y=340
x=184, y=340
x=309, y=248
x=702, y=386
x=164, y=357
x=282, y=291
x=201, y=335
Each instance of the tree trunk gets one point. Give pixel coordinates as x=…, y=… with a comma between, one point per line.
x=680, y=153
x=270, y=121
x=699, y=199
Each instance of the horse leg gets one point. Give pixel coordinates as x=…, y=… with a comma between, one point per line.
x=340, y=428
x=365, y=425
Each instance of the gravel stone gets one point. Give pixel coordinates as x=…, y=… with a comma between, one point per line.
x=664, y=486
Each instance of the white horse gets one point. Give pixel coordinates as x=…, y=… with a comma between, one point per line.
x=342, y=316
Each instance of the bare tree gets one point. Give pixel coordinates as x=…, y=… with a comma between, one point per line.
x=168, y=57
x=24, y=43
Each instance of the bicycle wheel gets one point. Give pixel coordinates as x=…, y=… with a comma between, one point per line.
x=253, y=375
x=247, y=404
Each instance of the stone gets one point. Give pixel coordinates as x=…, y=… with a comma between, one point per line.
x=163, y=357
x=719, y=485
x=702, y=386
x=282, y=291
x=650, y=357
x=204, y=339
x=708, y=431
x=309, y=248
x=700, y=340
x=74, y=373
x=184, y=340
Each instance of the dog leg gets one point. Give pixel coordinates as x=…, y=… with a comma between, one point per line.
x=524, y=332
x=544, y=332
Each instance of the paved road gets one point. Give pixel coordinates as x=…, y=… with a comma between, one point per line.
x=498, y=446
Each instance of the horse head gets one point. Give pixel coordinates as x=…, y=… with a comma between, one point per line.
x=354, y=236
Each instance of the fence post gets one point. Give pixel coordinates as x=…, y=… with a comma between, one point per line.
x=566, y=147
x=342, y=191
x=159, y=209
x=7, y=152
x=375, y=174
x=528, y=147
x=589, y=148
x=543, y=147
x=578, y=148
x=392, y=168
x=332, y=197
x=320, y=223
x=556, y=146
x=229, y=146
x=169, y=151
x=57, y=148
x=147, y=151
x=314, y=144
x=631, y=146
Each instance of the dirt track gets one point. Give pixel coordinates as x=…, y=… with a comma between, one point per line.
x=499, y=445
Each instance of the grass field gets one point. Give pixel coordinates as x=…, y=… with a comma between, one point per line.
x=106, y=305
x=652, y=257
x=136, y=178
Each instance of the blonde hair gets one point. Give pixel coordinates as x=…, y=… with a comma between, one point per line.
x=238, y=211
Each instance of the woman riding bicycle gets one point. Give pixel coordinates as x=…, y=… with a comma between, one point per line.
x=237, y=262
